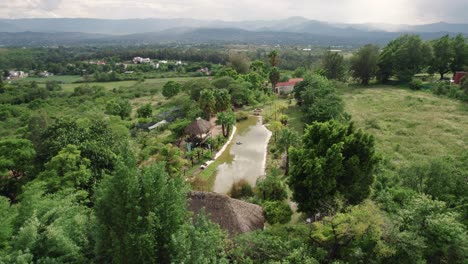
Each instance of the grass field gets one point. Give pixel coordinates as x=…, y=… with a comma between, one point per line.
x=111, y=85
x=408, y=125
x=65, y=79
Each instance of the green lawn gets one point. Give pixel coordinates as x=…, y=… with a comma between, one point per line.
x=408, y=125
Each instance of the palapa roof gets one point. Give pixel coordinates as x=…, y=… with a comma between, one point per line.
x=234, y=216
x=198, y=127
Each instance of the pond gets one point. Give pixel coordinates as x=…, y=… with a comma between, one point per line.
x=245, y=157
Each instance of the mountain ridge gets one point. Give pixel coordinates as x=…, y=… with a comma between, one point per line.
x=142, y=25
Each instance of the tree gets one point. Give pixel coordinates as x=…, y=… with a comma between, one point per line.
x=226, y=120
x=145, y=111
x=319, y=99
x=359, y=229
x=364, y=63
x=138, y=214
x=259, y=67
x=333, y=65
x=16, y=162
x=171, y=89
x=460, y=53
x=385, y=62
x=68, y=169
x=119, y=107
x=222, y=100
x=443, y=54
x=239, y=62
x=404, y=57
x=335, y=160
x=431, y=233
x=7, y=217
x=227, y=72
x=202, y=242
x=287, y=138
x=273, y=58
x=274, y=77
x=207, y=102
x=118, y=213
x=50, y=228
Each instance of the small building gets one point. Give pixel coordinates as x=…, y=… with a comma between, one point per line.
x=12, y=75
x=458, y=76
x=199, y=130
x=204, y=70
x=234, y=216
x=140, y=60
x=287, y=87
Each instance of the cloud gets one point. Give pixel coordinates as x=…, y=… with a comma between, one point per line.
x=49, y=5
x=355, y=11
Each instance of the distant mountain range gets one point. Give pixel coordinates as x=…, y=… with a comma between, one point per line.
x=294, y=30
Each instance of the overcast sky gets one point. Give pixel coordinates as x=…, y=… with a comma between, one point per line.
x=349, y=11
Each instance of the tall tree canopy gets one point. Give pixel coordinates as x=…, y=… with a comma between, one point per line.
x=335, y=160
x=404, y=57
x=318, y=98
x=364, y=63
x=443, y=55
x=273, y=58
x=333, y=66
x=460, y=53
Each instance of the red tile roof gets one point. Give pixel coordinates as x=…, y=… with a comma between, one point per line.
x=291, y=82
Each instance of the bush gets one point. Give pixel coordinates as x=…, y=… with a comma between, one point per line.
x=241, y=189
x=241, y=116
x=271, y=188
x=145, y=111
x=441, y=89
x=277, y=212
x=415, y=84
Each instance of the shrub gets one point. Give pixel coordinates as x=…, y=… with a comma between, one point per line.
x=271, y=188
x=441, y=89
x=415, y=84
x=241, y=116
x=277, y=212
x=241, y=189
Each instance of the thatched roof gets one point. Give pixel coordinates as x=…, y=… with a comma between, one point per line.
x=198, y=127
x=234, y=216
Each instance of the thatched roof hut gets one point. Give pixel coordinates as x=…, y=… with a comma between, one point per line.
x=198, y=127
x=234, y=216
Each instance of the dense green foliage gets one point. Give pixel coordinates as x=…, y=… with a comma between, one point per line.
x=364, y=63
x=335, y=161
x=319, y=99
x=333, y=66
x=84, y=180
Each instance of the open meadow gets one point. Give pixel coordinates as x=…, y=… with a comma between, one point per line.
x=409, y=126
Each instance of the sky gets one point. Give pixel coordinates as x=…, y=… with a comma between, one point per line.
x=346, y=11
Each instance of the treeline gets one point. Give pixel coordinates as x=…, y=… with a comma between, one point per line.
x=400, y=60
x=57, y=59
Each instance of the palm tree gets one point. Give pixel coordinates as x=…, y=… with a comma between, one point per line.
x=226, y=120
x=273, y=58
x=287, y=139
